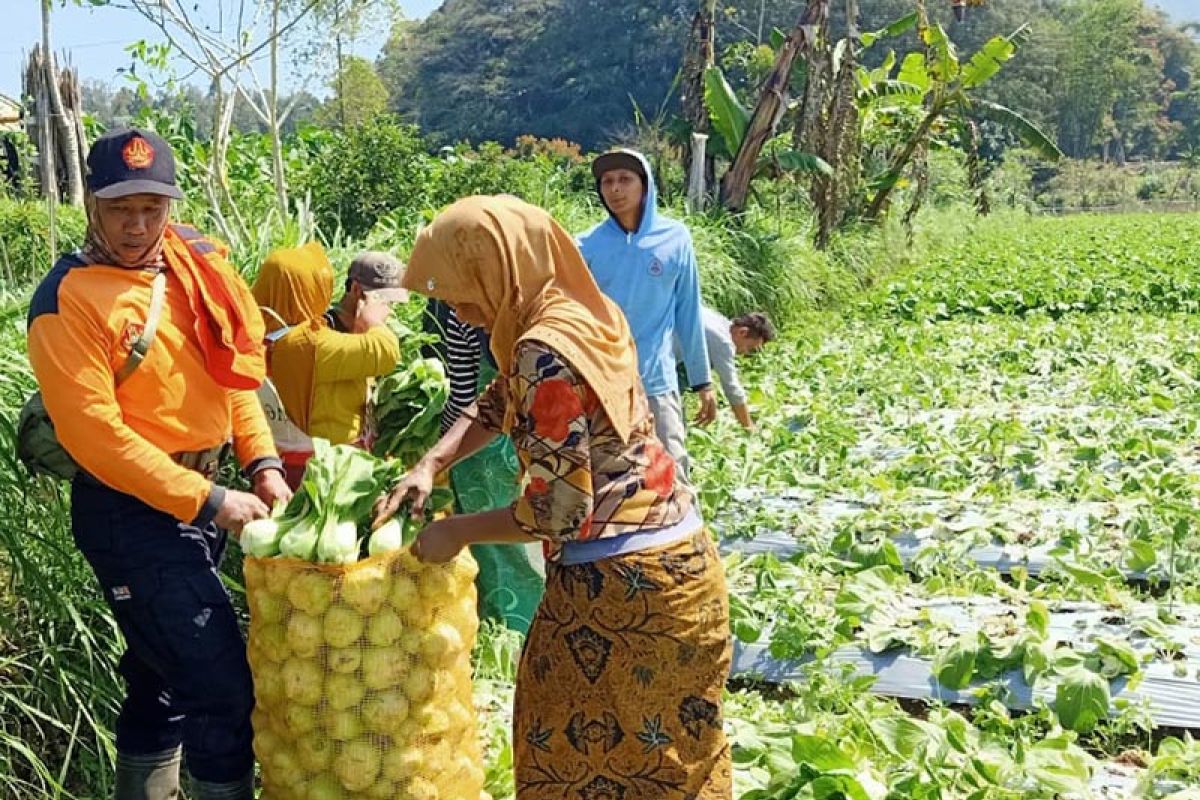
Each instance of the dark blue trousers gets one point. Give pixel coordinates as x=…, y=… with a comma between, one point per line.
x=185, y=669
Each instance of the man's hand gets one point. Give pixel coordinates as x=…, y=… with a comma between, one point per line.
x=708, y=407
x=271, y=488
x=370, y=314
x=743, y=416
x=238, y=508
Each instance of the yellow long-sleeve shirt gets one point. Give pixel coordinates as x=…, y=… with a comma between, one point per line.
x=82, y=322
x=343, y=364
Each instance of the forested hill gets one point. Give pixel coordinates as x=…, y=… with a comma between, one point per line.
x=483, y=69
x=1098, y=74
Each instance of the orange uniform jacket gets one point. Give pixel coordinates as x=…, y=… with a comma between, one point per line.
x=83, y=319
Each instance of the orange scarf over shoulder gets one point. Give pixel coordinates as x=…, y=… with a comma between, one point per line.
x=229, y=327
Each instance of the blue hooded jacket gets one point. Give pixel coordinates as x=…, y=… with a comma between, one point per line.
x=652, y=275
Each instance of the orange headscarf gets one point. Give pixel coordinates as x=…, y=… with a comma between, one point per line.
x=524, y=272
x=296, y=284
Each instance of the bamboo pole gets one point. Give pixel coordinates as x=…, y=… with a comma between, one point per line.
x=72, y=93
x=696, y=187
x=62, y=124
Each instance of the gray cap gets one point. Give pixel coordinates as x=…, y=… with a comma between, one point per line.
x=618, y=159
x=379, y=274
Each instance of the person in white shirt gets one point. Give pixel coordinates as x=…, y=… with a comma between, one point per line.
x=726, y=340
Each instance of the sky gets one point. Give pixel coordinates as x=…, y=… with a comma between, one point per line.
x=96, y=38
x=1180, y=10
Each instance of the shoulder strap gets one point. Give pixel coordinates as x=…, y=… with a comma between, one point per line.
x=137, y=354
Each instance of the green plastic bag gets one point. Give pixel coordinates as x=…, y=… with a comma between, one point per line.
x=38, y=447
x=509, y=587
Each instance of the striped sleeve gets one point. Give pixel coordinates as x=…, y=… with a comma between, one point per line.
x=462, y=368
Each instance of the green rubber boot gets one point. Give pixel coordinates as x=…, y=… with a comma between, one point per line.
x=148, y=777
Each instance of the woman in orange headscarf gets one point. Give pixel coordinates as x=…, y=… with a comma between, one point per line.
x=619, y=688
x=319, y=378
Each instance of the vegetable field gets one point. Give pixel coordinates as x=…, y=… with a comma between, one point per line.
x=963, y=544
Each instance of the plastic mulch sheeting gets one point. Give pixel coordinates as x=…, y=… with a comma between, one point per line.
x=1170, y=689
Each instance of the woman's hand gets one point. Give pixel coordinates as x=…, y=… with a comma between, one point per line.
x=415, y=487
x=439, y=542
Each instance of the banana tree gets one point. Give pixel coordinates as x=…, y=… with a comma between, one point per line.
x=841, y=100
x=748, y=138
x=948, y=87
x=772, y=103
x=730, y=123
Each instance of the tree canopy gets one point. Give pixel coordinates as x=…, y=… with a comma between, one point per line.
x=1113, y=78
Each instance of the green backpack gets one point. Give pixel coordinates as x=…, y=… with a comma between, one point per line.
x=38, y=447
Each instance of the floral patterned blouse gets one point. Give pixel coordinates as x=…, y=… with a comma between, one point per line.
x=579, y=481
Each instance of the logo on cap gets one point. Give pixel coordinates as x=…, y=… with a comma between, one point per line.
x=138, y=154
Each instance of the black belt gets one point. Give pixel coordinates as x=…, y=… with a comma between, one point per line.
x=206, y=462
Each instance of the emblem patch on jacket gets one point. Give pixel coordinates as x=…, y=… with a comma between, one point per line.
x=133, y=331
x=656, y=267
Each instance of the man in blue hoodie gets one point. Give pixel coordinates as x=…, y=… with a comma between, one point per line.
x=645, y=262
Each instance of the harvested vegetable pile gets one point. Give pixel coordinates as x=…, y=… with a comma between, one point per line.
x=408, y=409
x=328, y=519
x=361, y=654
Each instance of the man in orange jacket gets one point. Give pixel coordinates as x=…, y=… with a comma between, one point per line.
x=145, y=509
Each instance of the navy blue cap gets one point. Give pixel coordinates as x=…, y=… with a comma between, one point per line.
x=131, y=161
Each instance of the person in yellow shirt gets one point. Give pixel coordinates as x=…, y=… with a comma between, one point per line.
x=146, y=511
x=319, y=377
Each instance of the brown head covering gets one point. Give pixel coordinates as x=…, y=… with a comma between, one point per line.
x=296, y=283
x=524, y=272
x=97, y=250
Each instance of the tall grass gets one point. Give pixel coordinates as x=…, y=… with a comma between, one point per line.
x=25, y=239
x=58, y=643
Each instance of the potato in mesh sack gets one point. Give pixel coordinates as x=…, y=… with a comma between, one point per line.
x=363, y=678
x=360, y=653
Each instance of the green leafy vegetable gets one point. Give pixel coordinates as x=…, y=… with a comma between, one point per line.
x=1081, y=699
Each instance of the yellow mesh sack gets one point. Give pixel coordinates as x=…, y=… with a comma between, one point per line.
x=362, y=678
